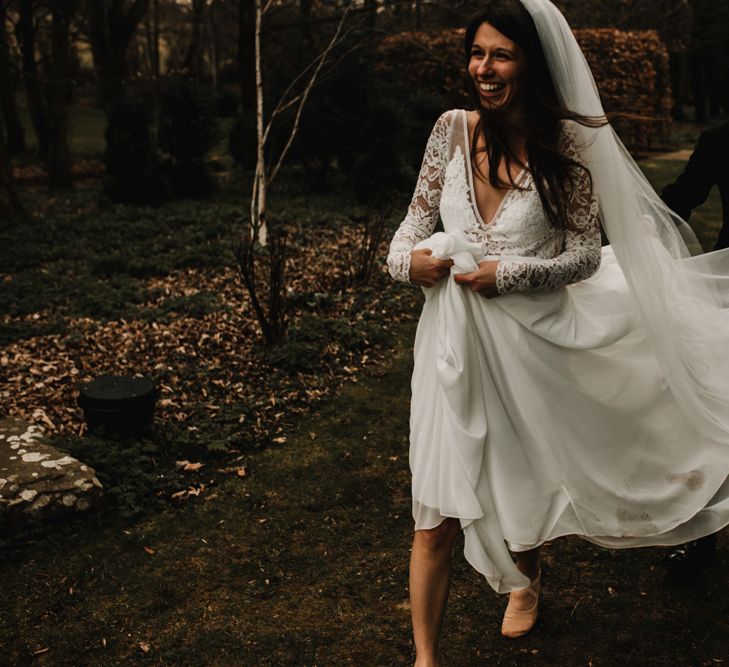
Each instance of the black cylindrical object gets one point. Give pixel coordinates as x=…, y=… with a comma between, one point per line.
x=118, y=402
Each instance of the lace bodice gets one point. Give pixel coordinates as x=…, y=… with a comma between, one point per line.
x=533, y=255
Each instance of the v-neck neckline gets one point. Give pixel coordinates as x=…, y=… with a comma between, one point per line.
x=471, y=187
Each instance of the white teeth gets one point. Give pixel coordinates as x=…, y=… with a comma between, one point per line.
x=490, y=87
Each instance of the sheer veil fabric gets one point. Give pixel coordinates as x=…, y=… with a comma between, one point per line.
x=680, y=304
x=597, y=408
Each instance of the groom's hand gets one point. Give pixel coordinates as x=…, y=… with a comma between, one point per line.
x=426, y=270
x=482, y=280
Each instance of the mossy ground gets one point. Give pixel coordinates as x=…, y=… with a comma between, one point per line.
x=303, y=561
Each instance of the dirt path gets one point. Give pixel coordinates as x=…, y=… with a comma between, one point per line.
x=304, y=562
x=674, y=156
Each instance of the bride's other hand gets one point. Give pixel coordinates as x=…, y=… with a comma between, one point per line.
x=426, y=270
x=482, y=280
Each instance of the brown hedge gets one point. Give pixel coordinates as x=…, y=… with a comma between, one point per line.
x=630, y=68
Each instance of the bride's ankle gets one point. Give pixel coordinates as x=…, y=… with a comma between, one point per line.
x=530, y=570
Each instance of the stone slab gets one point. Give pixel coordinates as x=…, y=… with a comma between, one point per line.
x=36, y=480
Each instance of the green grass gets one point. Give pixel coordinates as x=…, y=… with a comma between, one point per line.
x=86, y=128
x=706, y=219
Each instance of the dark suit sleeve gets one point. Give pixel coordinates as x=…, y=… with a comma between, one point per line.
x=692, y=187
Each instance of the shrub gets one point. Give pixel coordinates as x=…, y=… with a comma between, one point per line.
x=226, y=104
x=135, y=173
x=631, y=69
x=188, y=130
x=632, y=73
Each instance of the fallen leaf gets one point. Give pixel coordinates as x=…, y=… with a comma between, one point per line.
x=149, y=550
x=188, y=466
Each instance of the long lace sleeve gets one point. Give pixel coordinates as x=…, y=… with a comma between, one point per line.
x=581, y=253
x=422, y=213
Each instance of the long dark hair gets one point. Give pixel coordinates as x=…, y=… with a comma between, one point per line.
x=554, y=174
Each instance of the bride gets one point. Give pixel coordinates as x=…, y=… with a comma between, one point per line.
x=559, y=387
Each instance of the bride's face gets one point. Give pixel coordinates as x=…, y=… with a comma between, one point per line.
x=498, y=68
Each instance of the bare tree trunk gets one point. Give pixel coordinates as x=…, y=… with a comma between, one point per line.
x=59, y=154
x=15, y=134
x=255, y=232
x=155, y=40
x=214, y=41
x=112, y=27
x=307, y=36
x=193, y=58
x=25, y=32
x=258, y=203
x=10, y=206
x=246, y=53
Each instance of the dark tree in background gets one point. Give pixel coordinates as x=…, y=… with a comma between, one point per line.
x=59, y=152
x=112, y=25
x=26, y=34
x=708, y=67
x=246, y=53
x=695, y=33
x=10, y=206
x=14, y=130
x=193, y=61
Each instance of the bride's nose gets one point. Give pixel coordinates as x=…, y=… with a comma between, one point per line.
x=486, y=67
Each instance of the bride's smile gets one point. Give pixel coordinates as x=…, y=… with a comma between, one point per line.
x=497, y=67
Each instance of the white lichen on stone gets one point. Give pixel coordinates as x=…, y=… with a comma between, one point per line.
x=3, y=482
x=68, y=500
x=28, y=494
x=15, y=445
x=33, y=457
x=35, y=474
x=63, y=461
x=12, y=458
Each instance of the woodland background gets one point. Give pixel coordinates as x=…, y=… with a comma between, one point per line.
x=246, y=526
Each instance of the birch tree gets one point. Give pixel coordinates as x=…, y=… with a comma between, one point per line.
x=269, y=301
x=265, y=174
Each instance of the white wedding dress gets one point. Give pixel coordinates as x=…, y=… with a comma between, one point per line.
x=542, y=412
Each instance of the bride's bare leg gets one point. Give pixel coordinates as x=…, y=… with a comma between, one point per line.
x=430, y=564
x=528, y=562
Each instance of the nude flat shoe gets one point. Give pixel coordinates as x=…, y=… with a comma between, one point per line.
x=518, y=622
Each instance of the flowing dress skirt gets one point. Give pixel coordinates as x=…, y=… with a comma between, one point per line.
x=536, y=416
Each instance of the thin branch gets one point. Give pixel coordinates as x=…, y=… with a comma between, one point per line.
x=282, y=106
x=305, y=96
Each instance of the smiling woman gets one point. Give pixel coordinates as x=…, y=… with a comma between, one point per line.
x=564, y=405
x=498, y=68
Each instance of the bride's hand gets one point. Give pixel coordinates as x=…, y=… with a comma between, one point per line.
x=482, y=280
x=426, y=270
